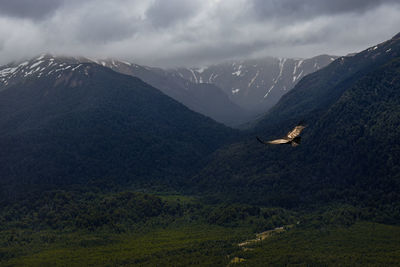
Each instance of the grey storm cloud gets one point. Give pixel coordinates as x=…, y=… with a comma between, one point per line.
x=193, y=32
x=29, y=9
x=301, y=9
x=165, y=13
x=105, y=26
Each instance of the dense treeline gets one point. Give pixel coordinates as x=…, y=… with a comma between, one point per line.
x=126, y=211
x=71, y=210
x=131, y=211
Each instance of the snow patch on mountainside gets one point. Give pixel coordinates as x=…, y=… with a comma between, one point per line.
x=44, y=65
x=260, y=82
x=254, y=78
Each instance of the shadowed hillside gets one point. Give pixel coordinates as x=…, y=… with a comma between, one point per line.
x=86, y=122
x=348, y=151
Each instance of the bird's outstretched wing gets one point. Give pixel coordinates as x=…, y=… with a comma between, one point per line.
x=295, y=132
x=261, y=141
x=279, y=141
x=273, y=142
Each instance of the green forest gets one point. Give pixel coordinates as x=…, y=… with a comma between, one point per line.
x=75, y=228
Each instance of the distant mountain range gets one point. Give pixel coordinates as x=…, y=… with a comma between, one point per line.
x=232, y=93
x=255, y=85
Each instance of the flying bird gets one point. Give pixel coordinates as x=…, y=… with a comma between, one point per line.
x=293, y=137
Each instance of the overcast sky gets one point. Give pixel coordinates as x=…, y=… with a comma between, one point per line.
x=193, y=32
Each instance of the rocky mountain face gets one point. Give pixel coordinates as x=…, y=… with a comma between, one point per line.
x=255, y=85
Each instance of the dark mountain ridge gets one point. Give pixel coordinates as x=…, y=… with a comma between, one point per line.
x=84, y=122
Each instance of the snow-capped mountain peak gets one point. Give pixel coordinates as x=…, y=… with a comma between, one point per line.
x=43, y=65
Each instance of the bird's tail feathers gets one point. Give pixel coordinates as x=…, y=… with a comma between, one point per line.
x=296, y=141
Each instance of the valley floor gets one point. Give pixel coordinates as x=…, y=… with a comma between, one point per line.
x=362, y=244
x=71, y=228
x=190, y=245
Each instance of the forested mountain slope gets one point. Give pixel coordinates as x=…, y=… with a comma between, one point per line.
x=349, y=151
x=76, y=123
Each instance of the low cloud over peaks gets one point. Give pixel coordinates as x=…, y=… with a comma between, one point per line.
x=192, y=33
